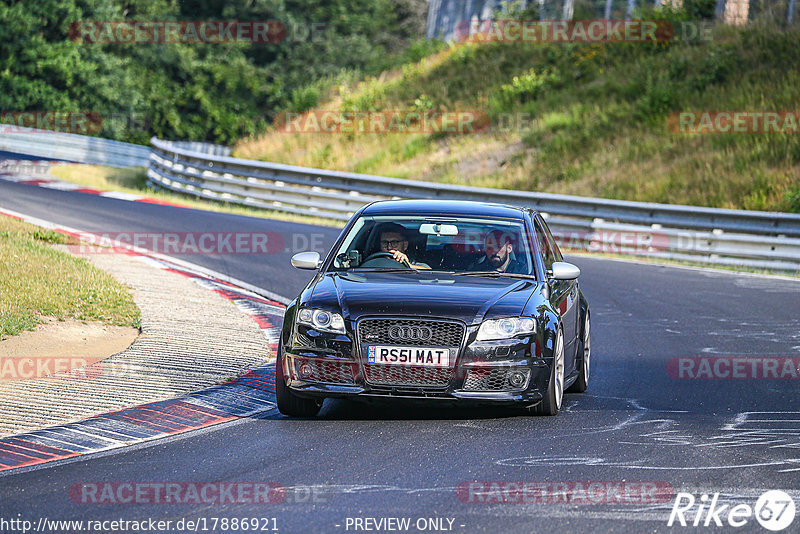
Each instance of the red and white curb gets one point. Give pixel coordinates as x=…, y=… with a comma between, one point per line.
x=61, y=185
x=252, y=393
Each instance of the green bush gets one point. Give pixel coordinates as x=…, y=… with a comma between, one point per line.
x=212, y=92
x=523, y=88
x=304, y=98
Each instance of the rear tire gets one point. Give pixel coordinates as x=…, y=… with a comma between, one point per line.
x=585, y=350
x=554, y=395
x=289, y=403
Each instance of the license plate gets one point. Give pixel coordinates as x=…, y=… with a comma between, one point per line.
x=417, y=356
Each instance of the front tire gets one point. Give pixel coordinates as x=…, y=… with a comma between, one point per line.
x=289, y=403
x=582, y=382
x=554, y=395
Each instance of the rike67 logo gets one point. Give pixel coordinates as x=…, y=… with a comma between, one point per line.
x=774, y=510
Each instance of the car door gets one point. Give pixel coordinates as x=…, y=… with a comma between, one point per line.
x=564, y=293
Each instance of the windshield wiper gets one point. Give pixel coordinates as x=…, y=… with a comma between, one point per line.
x=497, y=274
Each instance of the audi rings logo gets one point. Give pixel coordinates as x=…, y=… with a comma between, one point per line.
x=410, y=333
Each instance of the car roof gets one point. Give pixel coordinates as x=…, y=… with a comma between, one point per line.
x=443, y=208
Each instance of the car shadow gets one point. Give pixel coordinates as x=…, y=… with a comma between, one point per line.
x=401, y=409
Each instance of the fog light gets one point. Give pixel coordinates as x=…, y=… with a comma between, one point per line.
x=306, y=371
x=516, y=379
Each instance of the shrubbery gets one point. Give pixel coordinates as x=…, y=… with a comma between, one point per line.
x=214, y=92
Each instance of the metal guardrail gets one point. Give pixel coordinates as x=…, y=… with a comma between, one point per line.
x=768, y=240
x=73, y=147
x=204, y=148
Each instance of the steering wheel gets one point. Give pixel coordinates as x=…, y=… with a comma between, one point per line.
x=381, y=255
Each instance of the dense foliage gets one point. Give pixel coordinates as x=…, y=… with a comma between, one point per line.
x=216, y=92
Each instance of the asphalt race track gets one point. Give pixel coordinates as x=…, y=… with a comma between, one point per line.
x=640, y=421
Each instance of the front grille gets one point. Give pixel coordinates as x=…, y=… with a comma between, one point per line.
x=493, y=379
x=444, y=333
x=326, y=371
x=400, y=375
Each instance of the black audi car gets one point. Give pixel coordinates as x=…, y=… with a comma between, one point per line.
x=438, y=300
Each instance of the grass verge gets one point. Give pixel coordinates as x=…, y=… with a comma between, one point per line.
x=582, y=119
x=39, y=280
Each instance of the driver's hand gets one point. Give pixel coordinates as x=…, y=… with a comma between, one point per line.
x=400, y=257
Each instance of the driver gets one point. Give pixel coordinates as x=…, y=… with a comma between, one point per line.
x=395, y=241
x=498, y=248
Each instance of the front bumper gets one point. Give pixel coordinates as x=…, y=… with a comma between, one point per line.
x=305, y=389
x=481, y=375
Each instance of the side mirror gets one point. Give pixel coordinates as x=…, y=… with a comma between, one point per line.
x=565, y=271
x=306, y=260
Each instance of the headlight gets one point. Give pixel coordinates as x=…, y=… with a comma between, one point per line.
x=505, y=328
x=321, y=320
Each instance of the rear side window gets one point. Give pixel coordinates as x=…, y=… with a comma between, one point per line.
x=553, y=244
x=546, y=245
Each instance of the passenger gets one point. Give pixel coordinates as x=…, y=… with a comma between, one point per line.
x=498, y=249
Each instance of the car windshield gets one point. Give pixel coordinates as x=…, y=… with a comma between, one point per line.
x=457, y=245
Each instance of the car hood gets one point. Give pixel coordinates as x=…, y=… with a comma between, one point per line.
x=422, y=294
